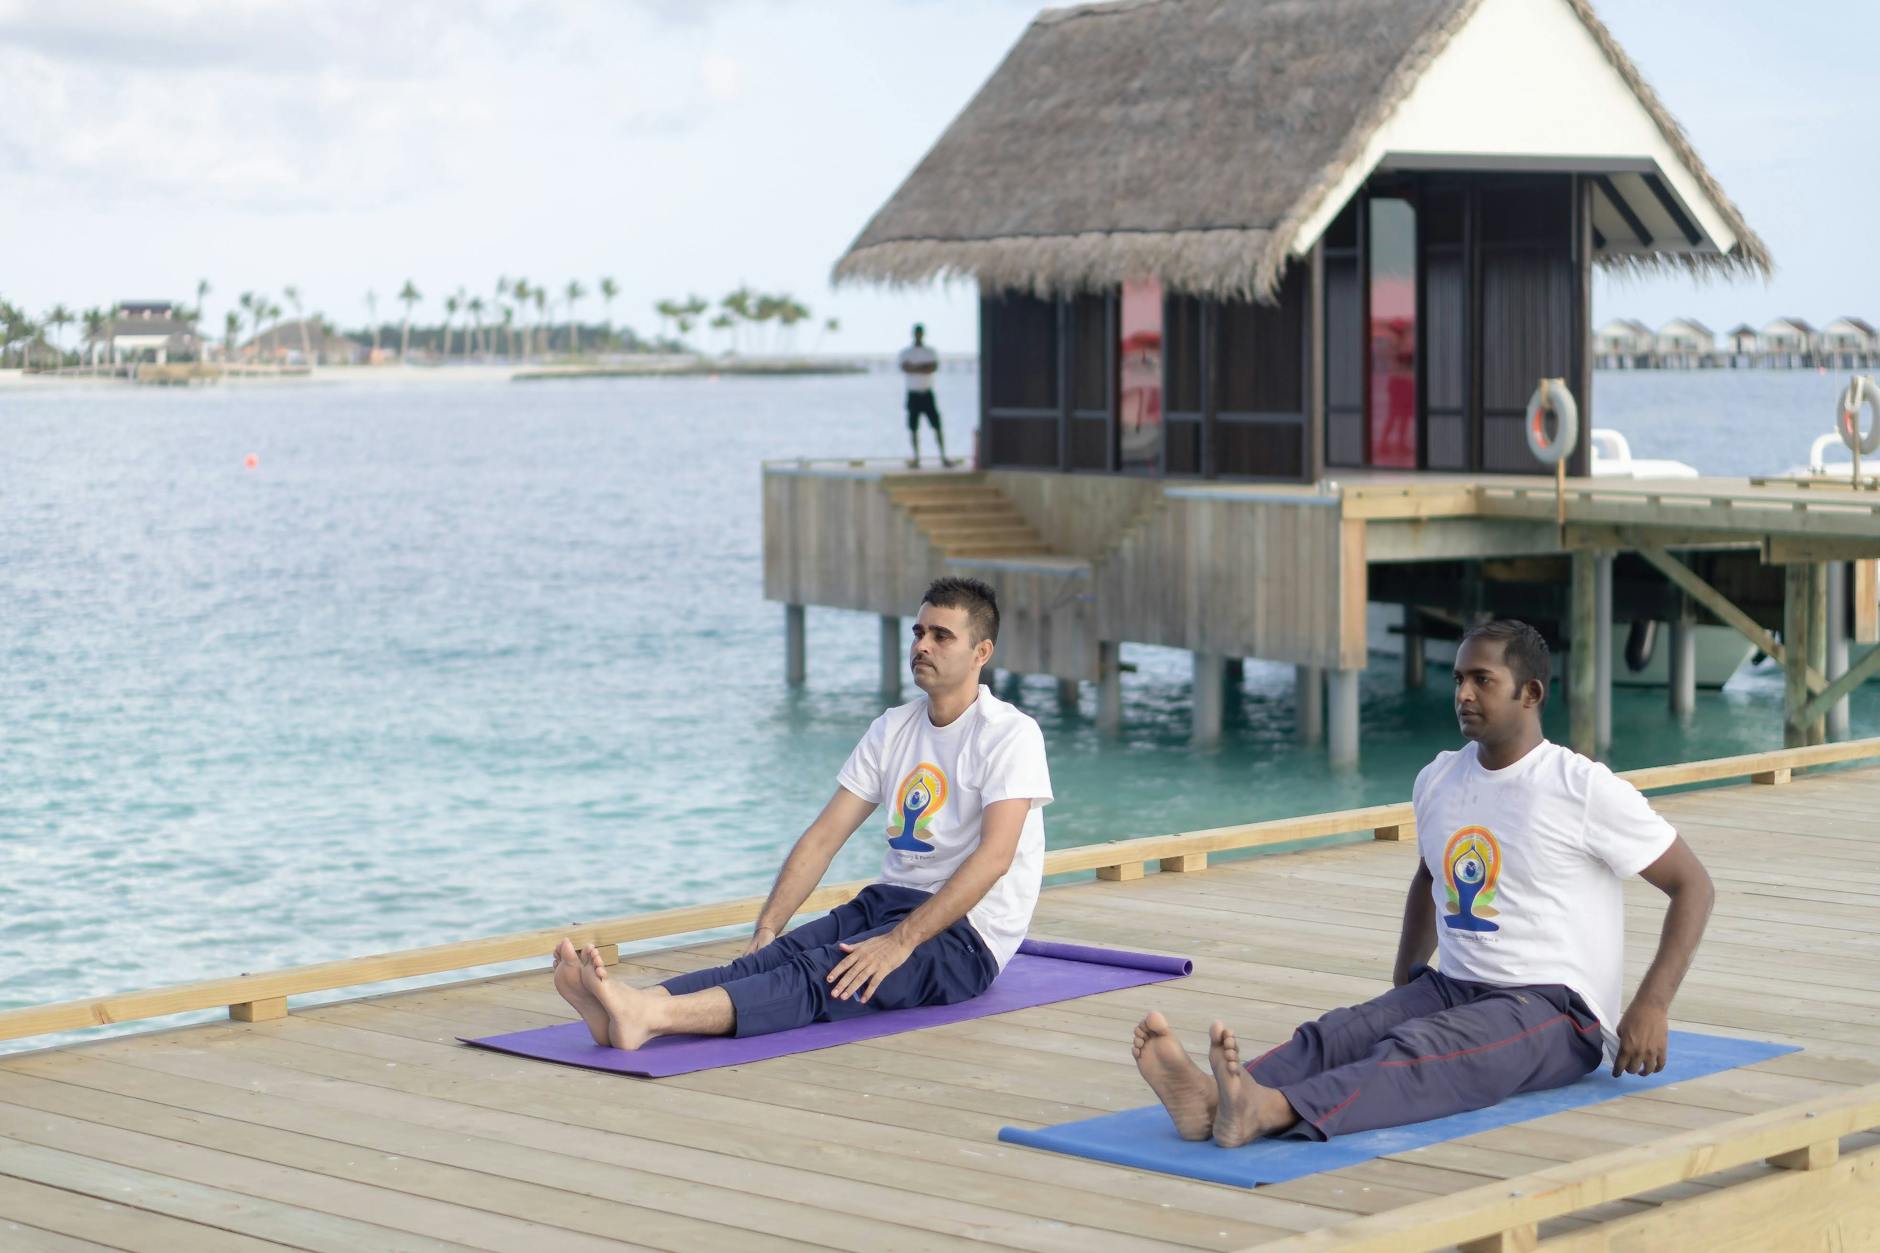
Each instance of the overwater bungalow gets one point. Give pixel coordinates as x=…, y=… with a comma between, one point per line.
x=1847, y=343
x=1683, y=344
x=1265, y=292
x=1263, y=240
x=1785, y=342
x=1622, y=344
x=148, y=330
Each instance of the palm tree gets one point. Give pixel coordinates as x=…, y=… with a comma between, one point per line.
x=231, y=327
x=729, y=325
x=475, y=306
x=690, y=312
x=520, y=292
x=609, y=289
x=247, y=303
x=306, y=344
x=452, y=303
x=58, y=318
x=189, y=317
x=539, y=294
x=573, y=292
x=372, y=312
x=202, y=303
x=95, y=323
x=410, y=294
x=509, y=330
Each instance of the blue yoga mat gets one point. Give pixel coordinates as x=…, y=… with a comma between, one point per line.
x=1145, y=1138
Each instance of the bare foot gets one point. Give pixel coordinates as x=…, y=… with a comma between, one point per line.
x=628, y=1010
x=1244, y=1110
x=1184, y=1088
x=568, y=983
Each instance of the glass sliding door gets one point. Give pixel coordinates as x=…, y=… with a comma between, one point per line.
x=1392, y=253
x=1139, y=359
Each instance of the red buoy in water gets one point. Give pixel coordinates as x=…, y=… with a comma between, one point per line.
x=251, y=461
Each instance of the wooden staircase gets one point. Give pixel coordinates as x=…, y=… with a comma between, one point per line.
x=965, y=516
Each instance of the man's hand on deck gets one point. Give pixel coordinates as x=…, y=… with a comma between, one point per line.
x=759, y=938
x=867, y=964
x=1643, y=1041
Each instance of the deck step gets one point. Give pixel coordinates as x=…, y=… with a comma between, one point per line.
x=967, y=517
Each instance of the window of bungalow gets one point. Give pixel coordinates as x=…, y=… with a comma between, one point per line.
x=1139, y=354
x=1023, y=348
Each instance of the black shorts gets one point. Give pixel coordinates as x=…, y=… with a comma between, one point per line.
x=921, y=403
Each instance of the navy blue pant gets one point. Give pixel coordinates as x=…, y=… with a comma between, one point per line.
x=785, y=983
x=1432, y=1047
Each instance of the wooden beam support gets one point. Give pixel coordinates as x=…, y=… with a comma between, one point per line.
x=1121, y=873
x=1396, y=832
x=1817, y=1156
x=1818, y=705
x=1783, y=550
x=1795, y=582
x=1672, y=208
x=1719, y=605
x=265, y=1010
x=1817, y=724
x=1771, y=778
x=1523, y=1239
x=1183, y=863
x=1624, y=209
x=1866, y=595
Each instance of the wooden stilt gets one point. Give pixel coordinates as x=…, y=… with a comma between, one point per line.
x=1602, y=651
x=1583, y=657
x=1839, y=721
x=1682, y=669
x=1109, y=687
x=1209, y=689
x=893, y=658
x=794, y=671
x=1309, y=703
x=1795, y=648
x=1341, y=697
x=1413, y=661
x=1817, y=727
x=1068, y=693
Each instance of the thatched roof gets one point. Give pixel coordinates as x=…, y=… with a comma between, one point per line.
x=1186, y=140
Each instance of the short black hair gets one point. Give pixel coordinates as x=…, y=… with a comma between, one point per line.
x=979, y=601
x=1523, y=650
x=919, y=329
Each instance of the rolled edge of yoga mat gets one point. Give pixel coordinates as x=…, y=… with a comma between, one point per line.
x=1108, y=957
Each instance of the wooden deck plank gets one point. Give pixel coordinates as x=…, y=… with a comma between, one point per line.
x=366, y=1124
x=92, y=1222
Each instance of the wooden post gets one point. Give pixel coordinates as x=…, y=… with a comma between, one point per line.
x=1602, y=651
x=1583, y=708
x=1795, y=654
x=1069, y=690
x=1309, y=703
x=892, y=658
x=1341, y=696
x=1866, y=594
x=1522, y=1239
x=1818, y=638
x=1839, y=723
x=1315, y=365
x=265, y=1010
x=1812, y=1157
x=1209, y=689
x=794, y=670
x=1413, y=661
x=1109, y=687
x=1682, y=662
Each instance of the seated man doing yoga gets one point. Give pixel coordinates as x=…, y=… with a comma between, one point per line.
x=1523, y=849
x=963, y=774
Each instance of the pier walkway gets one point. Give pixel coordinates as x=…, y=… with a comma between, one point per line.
x=364, y=1125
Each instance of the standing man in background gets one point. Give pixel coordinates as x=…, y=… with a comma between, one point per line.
x=918, y=365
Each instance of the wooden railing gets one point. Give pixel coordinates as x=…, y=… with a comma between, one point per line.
x=1506, y=1215
x=257, y=997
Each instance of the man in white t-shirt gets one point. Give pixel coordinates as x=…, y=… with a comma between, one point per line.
x=918, y=364
x=964, y=777
x=1524, y=847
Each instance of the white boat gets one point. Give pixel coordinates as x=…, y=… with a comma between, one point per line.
x=1612, y=459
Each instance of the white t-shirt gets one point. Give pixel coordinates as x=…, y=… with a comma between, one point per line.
x=918, y=354
x=936, y=783
x=1529, y=863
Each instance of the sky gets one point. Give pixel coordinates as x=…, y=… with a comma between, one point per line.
x=687, y=146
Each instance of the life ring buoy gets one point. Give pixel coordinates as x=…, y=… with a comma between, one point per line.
x=1861, y=392
x=1553, y=397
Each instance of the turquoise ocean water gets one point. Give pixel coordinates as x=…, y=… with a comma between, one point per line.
x=454, y=660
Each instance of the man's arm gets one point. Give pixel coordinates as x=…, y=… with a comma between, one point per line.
x=1418, y=939
x=808, y=862
x=1645, y=1027
x=874, y=959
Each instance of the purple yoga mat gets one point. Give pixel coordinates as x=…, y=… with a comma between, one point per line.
x=1043, y=971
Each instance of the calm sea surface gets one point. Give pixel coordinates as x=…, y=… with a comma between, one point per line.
x=459, y=659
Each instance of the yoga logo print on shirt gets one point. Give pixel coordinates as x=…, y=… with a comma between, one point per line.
x=1471, y=871
x=922, y=794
